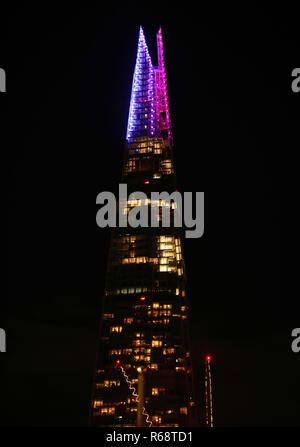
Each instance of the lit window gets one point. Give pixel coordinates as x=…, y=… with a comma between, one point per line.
x=156, y=419
x=164, y=313
x=139, y=335
x=180, y=360
x=115, y=352
x=168, y=351
x=154, y=366
x=154, y=391
x=156, y=343
x=107, y=316
x=138, y=342
x=183, y=410
x=127, y=351
x=110, y=383
x=117, y=329
x=98, y=403
x=107, y=410
x=128, y=320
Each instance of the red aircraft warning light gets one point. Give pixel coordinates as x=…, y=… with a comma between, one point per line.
x=146, y=182
x=208, y=358
x=142, y=298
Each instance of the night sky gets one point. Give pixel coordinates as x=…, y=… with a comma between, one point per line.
x=235, y=121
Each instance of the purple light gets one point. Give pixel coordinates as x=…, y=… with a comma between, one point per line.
x=149, y=113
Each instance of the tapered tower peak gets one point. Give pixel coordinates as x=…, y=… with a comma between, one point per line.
x=149, y=106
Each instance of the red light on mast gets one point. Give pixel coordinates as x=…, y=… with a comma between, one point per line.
x=118, y=362
x=208, y=358
x=142, y=298
x=146, y=182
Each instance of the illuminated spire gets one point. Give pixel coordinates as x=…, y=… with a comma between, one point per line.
x=141, y=120
x=162, y=98
x=149, y=113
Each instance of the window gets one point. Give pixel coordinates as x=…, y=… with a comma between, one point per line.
x=156, y=419
x=156, y=343
x=98, y=403
x=115, y=352
x=138, y=342
x=154, y=366
x=128, y=320
x=117, y=329
x=139, y=260
x=110, y=383
x=179, y=360
x=164, y=313
x=107, y=410
x=183, y=410
x=168, y=351
x=107, y=316
x=157, y=391
x=127, y=351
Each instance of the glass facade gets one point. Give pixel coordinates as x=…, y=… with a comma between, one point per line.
x=145, y=308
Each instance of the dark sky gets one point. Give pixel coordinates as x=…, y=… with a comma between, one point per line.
x=69, y=75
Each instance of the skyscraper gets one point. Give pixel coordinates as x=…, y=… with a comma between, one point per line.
x=145, y=308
